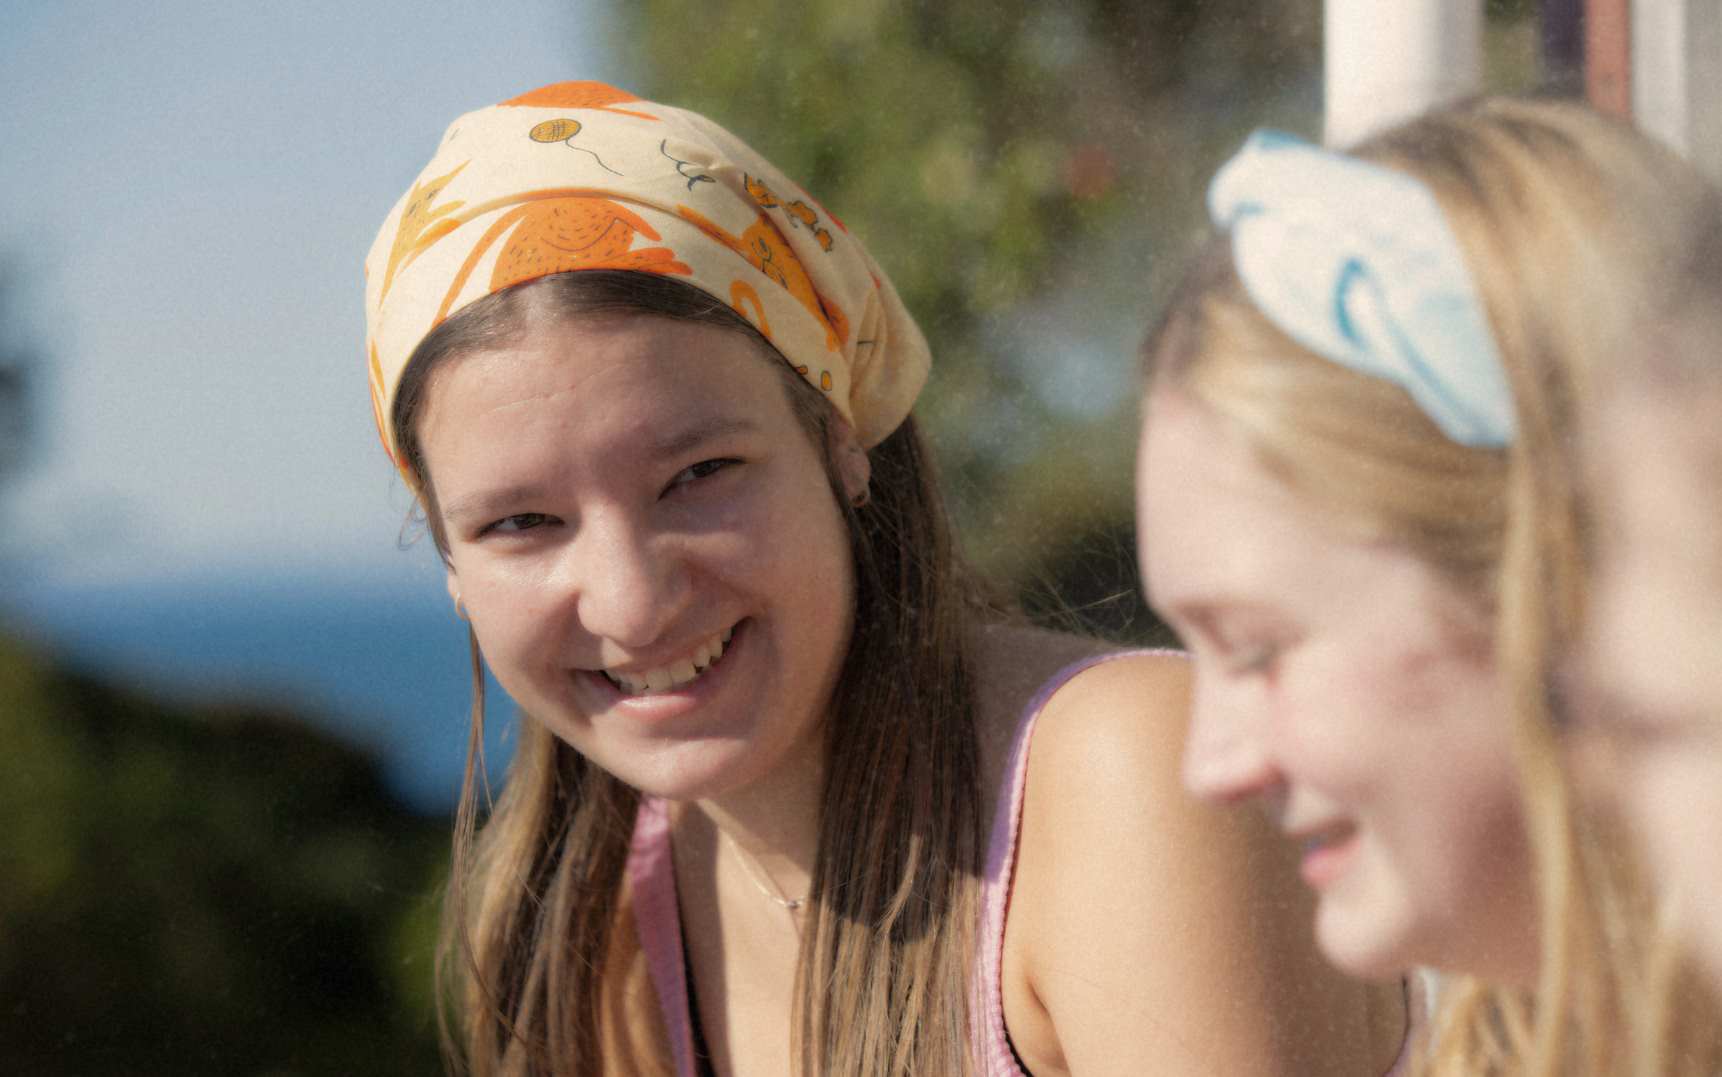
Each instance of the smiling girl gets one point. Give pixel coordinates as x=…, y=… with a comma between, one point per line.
x=773, y=806
x=1358, y=505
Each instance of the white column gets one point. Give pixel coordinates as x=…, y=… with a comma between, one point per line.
x=1388, y=60
x=1677, y=76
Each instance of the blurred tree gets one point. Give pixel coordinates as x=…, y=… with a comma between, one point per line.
x=1031, y=175
x=1028, y=173
x=212, y=892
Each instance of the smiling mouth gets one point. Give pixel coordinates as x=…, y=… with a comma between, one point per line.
x=1325, y=837
x=678, y=674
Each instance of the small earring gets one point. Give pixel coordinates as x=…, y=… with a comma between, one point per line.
x=460, y=609
x=860, y=500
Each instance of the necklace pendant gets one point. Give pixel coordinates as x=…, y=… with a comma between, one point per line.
x=792, y=904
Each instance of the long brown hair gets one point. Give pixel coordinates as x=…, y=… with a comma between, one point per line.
x=1567, y=221
x=538, y=958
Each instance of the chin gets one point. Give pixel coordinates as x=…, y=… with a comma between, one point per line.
x=678, y=780
x=686, y=772
x=1363, y=937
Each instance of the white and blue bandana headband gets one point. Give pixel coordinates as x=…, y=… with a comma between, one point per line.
x=1356, y=262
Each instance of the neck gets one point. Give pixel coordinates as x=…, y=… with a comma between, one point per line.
x=775, y=821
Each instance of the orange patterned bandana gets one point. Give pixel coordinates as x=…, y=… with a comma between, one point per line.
x=580, y=175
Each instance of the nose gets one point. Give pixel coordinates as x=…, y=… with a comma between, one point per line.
x=628, y=586
x=1227, y=756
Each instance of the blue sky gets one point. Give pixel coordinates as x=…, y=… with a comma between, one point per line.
x=187, y=191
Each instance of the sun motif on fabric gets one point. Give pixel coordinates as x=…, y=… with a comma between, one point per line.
x=422, y=223
x=580, y=94
x=558, y=130
x=764, y=247
x=554, y=232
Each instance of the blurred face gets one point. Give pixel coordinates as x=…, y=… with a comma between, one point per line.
x=1345, y=689
x=1655, y=652
x=644, y=538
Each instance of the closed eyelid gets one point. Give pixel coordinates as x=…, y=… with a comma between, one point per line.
x=1242, y=644
x=1205, y=623
x=487, y=507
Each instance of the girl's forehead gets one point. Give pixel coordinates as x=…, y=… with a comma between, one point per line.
x=642, y=389
x=602, y=354
x=1219, y=530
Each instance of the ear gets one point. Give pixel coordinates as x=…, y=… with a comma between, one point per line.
x=853, y=464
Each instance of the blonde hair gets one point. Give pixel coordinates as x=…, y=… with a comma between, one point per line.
x=542, y=969
x=1568, y=222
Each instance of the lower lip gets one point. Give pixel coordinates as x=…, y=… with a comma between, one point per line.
x=664, y=706
x=1327, y=862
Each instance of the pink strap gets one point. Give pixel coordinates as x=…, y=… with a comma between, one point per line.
x=652, y=873
x=997, y=1058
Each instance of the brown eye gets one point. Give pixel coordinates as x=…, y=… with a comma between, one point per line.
x=520, y=521
x=701, y=470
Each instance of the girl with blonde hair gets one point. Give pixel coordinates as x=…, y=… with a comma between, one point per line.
x=772, y=806
x=1359, y=504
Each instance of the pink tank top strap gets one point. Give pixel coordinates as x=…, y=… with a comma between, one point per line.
x=657, y=917
x=992, y=1042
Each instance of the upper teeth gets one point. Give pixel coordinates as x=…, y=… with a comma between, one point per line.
x=675, y=674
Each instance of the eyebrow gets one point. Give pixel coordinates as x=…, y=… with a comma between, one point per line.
x=673, y=443
x=489, y=502
x=677, y=442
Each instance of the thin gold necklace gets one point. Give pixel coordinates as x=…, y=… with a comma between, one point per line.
x=753, y=871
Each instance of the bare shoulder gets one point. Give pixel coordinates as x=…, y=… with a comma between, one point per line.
x=1125, y=715
x=1148, y=931
x=1103, y=790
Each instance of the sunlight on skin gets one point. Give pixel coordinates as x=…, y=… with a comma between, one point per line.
x=1352, y=695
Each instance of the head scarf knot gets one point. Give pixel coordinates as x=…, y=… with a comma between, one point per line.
x=580, y=175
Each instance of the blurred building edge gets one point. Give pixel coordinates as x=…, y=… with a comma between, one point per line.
x=1676, y=76
x=1655, y=62
x=1388, y=60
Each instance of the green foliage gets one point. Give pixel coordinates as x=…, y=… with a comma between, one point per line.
x=220, y=891
x=1030, y=175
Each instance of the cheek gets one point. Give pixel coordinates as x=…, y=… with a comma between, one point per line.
x=1395, y=728
x=1333, y=721
x=507, y=606
x=797, y=539
x=1675, y=796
